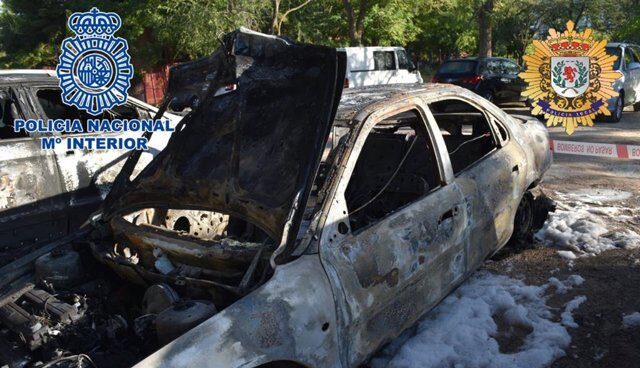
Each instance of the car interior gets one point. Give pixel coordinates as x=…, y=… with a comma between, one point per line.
x=51, y=101
x=465, y=130
x=397, y=165
x=8, y=112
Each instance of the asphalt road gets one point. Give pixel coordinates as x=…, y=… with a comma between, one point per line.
x=570, y=173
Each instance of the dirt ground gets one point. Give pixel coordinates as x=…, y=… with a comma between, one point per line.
x=612, y=278
x=612, y=288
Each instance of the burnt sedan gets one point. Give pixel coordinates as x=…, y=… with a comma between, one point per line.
x=285, y=225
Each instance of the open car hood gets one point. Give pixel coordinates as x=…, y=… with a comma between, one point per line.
x=253, y=151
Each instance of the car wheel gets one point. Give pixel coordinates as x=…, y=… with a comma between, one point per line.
x=636, y=106
x=523, y=220
x=616, y=114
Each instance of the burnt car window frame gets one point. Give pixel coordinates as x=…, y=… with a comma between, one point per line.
x=490, y=118
x=350, y=158
x=14, y=94
x=33, y=90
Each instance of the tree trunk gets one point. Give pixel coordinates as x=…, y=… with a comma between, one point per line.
x=485, y=28
x=278, y=19
x=274, y=18
x=356, y=21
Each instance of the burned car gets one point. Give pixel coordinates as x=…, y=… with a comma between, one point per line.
x=284, y=224
x=45, y=194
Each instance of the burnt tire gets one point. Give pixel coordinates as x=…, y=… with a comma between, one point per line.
x=523, y=221
x=616, y=114
x=533, y=211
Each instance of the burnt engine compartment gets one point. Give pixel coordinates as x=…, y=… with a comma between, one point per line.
x=73, y=312
x=110, y=301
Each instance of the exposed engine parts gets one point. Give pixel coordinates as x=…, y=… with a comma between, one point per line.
x=181, y=317
x=73, y=312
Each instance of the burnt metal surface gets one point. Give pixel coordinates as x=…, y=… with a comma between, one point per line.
x=286, y=319
x=253, y=152
x=383, y=278
x=46, y=194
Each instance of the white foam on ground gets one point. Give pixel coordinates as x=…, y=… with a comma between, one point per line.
x=461, y=331
x=567, y=315
x=582, y=228
x=567, y=254
x=631, y=320
x=563, y=286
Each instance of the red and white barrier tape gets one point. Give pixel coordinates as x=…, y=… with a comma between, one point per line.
x=624, y=151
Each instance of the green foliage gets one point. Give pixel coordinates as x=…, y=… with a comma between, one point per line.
x=162, y=32
x=390, y=23
x=321, y=22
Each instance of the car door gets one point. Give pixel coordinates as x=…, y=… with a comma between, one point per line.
x=634, y=72
x=493, y=81
x=393, y=268
x=489, y=168
x=31, y=208
x=630, y=79
x=86, y=174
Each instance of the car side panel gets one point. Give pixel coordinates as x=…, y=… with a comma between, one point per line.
x=388, y=274
x=289, y=318
x=31, y=208
x=400, y=267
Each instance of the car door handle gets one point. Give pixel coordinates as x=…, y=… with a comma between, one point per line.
x=515, y=168
x=447, y=215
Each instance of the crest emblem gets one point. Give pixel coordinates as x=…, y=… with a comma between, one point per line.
x=95, y=68
x=570, y=78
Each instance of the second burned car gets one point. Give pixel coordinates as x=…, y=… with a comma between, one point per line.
x=306, y=228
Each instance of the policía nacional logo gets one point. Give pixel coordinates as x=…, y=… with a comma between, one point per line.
x=570, y=77
x=95, y=69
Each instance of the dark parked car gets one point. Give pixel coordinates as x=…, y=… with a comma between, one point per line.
x=495, y=79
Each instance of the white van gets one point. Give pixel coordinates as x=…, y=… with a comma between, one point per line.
x=368, y=66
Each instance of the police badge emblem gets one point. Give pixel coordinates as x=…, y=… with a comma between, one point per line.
x=570, y=77
x=95, y=69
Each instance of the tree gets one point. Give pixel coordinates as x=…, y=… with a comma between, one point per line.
x=279, y=18
x=355, y=20
x=485, y=28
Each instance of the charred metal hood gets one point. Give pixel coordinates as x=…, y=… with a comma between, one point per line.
x=252, y=152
